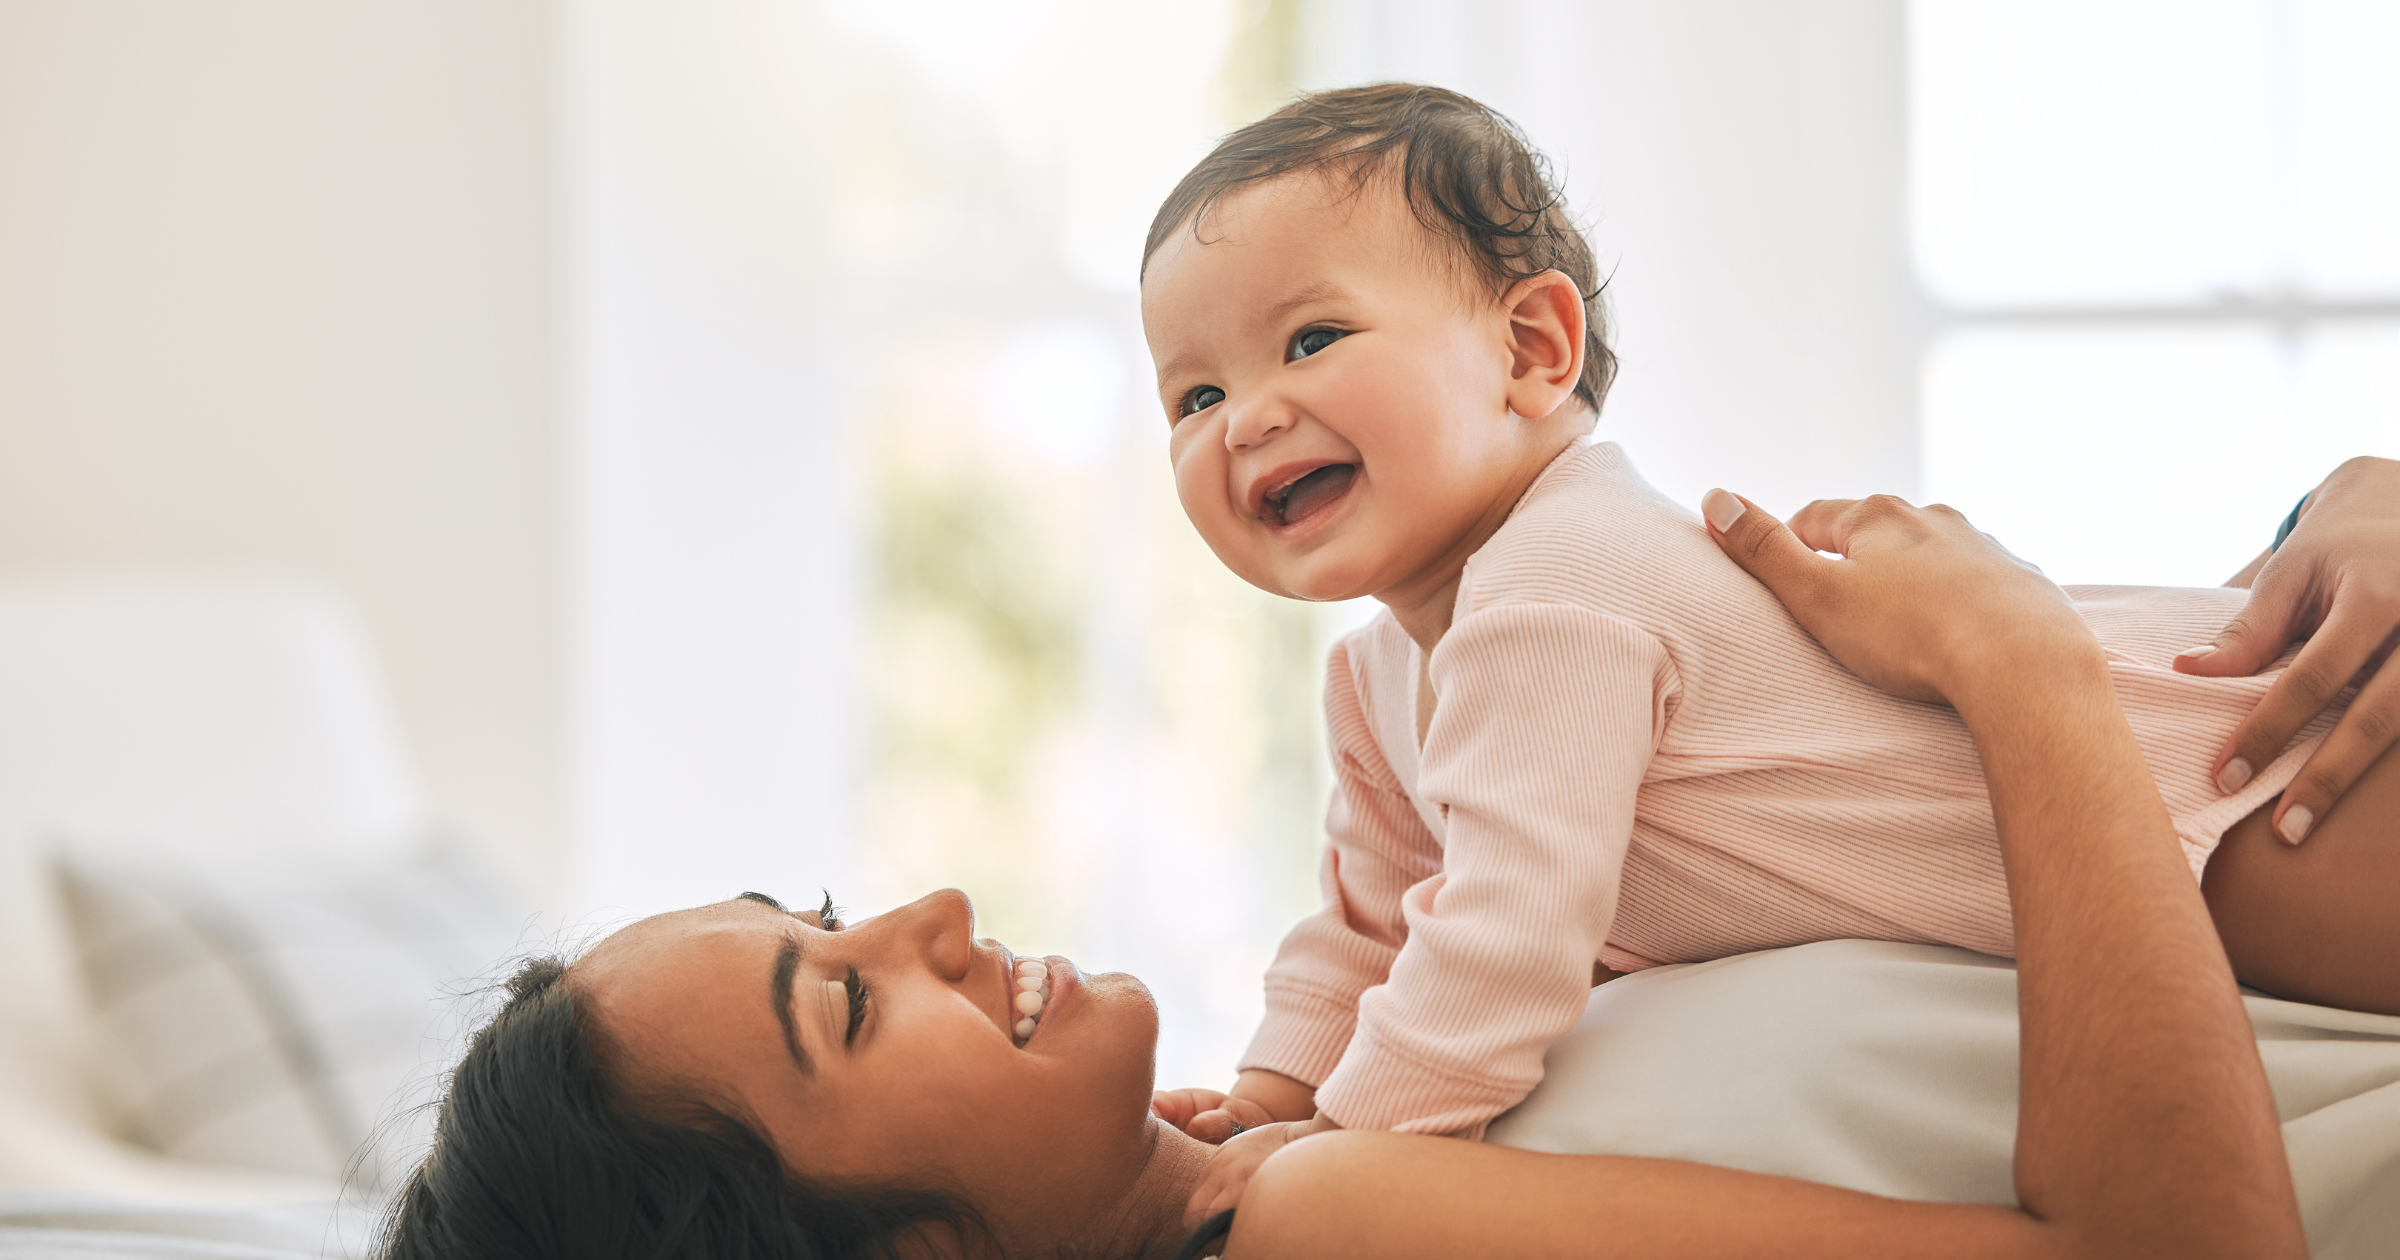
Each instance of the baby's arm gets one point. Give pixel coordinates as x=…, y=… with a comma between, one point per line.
x=1376, y=848
x=1546, y=721
x=1545, y=726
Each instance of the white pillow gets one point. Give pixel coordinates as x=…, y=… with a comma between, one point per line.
x=289, y=1014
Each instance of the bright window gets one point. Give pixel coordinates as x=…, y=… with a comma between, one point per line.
x=2160, y=240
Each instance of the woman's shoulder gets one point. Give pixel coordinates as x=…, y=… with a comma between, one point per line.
x=1362, y=1192
x=1310, y=1198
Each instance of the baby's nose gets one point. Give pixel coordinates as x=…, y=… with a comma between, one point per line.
x=1254, y=423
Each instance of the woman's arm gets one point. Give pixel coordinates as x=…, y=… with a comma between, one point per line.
x=2145, y=1127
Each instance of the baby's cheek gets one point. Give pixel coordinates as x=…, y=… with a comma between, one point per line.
x=1200, y=483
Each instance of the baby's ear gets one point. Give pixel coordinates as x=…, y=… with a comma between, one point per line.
x=1545, y=340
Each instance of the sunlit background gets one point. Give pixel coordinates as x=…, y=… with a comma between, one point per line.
x=730, y=422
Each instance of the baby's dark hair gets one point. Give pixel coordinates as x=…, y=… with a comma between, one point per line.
x=1468, y=173
x=537, y=1155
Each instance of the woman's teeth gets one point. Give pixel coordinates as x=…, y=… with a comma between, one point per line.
x=1030, y=996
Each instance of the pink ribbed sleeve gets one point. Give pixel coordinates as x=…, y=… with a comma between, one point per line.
x=1376, y=849
x=1546, y=724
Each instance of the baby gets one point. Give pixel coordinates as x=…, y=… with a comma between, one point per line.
x=1579, y=739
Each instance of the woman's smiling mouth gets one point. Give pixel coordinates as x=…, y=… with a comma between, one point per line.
x=1029, y=996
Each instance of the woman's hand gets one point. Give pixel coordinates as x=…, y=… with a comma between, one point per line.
x=2335, y=582
x=1921, y=605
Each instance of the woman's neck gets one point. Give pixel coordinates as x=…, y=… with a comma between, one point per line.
x=1149, y=1220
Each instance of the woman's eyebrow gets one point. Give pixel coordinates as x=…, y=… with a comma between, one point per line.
x=779, y=993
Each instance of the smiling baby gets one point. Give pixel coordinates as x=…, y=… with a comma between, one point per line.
x=1579, y=738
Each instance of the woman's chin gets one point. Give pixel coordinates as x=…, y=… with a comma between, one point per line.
x=1125, y=996
x=1124, y=1017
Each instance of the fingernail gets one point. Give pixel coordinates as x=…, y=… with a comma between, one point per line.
x=2296, y=822
x=2233, y=776
x=1721, y=509
x=2193, y=654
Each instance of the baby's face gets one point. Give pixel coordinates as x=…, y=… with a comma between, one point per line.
x=1339, y=392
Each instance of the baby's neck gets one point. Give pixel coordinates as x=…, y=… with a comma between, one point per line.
x=1425, y=612
x=1423, y=602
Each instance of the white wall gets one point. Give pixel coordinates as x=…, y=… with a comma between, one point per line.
x=276, y=294
x=710, y=395
x=282, y=286
x=1742, y=164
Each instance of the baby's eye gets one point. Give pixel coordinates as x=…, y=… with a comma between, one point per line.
x=1202, y=399
x=1313, y=340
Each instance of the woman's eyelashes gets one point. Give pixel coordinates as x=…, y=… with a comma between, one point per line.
x=857, y=989
x=829, y=916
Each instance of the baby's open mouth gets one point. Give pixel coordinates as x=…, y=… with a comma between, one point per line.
x=1308, y=492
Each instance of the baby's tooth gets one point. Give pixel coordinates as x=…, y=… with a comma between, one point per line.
x=1029, y=1004
x=1024, y=1028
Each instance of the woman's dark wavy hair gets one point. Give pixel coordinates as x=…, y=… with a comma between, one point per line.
x=1468, y=173
x=536, y=1155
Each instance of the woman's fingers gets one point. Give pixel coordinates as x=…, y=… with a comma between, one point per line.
x=1919, y=602
x=2365, y=731
x=2335, y=579
x=1825, y=524
x=1765, y=548
x=2327, y=663
x=2257, y=634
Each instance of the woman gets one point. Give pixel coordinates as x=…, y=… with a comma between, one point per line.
x=739, y=1080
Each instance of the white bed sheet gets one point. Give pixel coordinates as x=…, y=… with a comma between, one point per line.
x=1885, y=1068
x=46, y=1226
x=1893, y=1069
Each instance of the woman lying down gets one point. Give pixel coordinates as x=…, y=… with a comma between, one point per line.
x=738, y=1080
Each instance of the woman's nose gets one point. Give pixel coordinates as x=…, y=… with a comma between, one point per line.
x=942, y=926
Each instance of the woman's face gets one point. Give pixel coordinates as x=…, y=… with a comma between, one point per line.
x=910, y=1075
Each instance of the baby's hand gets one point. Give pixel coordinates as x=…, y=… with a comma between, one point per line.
x=1229, y=1170
x=1207, y=1114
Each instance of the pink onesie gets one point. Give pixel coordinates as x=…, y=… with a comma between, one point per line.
x=1638, y=757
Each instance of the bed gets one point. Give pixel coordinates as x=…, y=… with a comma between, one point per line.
x=209, y=772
